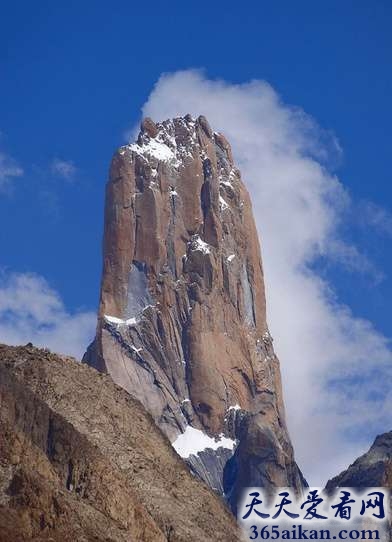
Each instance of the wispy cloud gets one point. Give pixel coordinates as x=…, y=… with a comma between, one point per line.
x=65, y=169
x=354, y=260
x=334, y=364
x=374, y=216
x=9, y=170
x=31, y=311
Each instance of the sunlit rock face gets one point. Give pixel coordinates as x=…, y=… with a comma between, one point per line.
x=182, y=318
x=82, y=461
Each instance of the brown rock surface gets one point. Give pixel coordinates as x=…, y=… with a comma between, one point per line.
x=182, y=318
x=81, y=460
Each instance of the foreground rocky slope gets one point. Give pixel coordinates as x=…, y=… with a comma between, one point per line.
x=182, y=318
x=374, y=468
x=81, y=460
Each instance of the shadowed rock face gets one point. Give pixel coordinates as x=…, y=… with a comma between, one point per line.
x=372, y=469
x=182, y=319
x=81, y=460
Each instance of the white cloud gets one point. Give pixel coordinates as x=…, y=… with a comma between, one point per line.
x=64, y=168
x=31, y=311
x=9, y=169
x=334, y=364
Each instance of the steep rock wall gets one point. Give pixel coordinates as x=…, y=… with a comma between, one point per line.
x=182, y=318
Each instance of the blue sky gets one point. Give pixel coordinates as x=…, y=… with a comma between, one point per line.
x=75, y=74
x=74, y=77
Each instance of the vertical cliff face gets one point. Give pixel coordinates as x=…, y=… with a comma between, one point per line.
x=182, y=319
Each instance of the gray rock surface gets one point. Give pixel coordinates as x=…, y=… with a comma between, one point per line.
x=374, y=468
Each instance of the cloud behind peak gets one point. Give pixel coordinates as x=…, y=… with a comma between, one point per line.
x=332, y=361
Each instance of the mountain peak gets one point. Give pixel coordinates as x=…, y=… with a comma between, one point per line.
x=182, y=320
x=173, y=141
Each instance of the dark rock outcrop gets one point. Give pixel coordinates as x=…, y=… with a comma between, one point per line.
x=372, y=469
x=81, y=460
x=182, y=318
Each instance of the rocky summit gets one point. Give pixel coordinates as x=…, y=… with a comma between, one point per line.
x=182, y=317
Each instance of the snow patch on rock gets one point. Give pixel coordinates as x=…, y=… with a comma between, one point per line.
x=193, y=441
x=157, y=149
x=119, y=321
x=234, y=407
x=222, y=204
x=198, y=244
x=163, y=146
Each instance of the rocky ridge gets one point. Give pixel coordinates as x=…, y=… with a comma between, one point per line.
x=372, y=469
x=82, y=460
